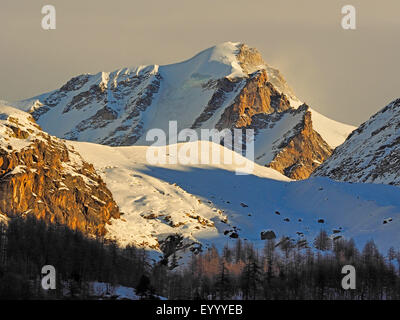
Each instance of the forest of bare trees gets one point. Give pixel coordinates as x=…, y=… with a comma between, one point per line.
x=287, y=270
x=283, y=269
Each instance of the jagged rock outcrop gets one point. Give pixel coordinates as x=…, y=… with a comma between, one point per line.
x=297, y=150
x=300, y=149
x=371, y=153
x=226, y=86
x=257, y=96
x=302, y=153
x=41, y=176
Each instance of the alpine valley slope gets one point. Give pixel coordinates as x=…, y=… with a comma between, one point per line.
x=371, y=154
x=174, y=206
x=196, y=206
x=226, y=86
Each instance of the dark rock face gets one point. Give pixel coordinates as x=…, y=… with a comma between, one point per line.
x=131, y=124
x=371, y=153
x=234, y=235
x=122, y=97
x=49, y=180
x=222, y=88
x=268, y=235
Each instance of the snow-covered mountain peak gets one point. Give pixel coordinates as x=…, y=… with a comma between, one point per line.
x=216, y=62
x=228, y=59
x=226, y=86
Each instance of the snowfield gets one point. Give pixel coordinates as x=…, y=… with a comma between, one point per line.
x=210, y=204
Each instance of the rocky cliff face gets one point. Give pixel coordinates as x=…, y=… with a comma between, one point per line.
x=257, y=96
x=298, y=149
x=226, y=86
x=41, y=176
x=371, y=153
x=303, y=152
x=295, y=148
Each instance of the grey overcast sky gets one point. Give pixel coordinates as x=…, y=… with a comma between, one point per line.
x=345, y=74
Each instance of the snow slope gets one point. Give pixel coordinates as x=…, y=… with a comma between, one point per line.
x=230, y=204
x=333, y=132
x=154, y=208
x=103, y=290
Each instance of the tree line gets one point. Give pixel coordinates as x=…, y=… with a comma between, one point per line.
x=283, y=269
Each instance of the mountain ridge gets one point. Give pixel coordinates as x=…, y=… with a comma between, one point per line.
x=224, y=86
x=371, y=153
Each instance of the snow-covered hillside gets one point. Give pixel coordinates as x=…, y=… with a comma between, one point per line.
x=212, y=205
x=154, y=207
x=225, y=86
x=371, y=153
